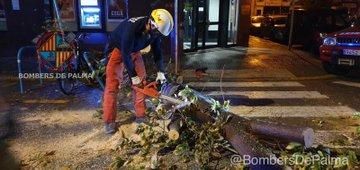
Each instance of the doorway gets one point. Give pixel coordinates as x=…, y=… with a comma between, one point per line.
x=201, y=24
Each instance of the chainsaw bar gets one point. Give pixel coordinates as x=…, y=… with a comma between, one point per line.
x=171, y=99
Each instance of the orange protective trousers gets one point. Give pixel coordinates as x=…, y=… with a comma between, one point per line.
x=114, y=78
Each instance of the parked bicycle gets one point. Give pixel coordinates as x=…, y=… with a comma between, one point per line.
x=64, y=54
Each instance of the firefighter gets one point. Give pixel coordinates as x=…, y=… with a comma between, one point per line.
x=126, y=41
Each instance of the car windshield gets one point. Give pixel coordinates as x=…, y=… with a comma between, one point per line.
x=281, y=20
x=357, y=23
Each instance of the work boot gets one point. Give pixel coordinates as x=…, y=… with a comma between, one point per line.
x=140, y=120
x=110, y=128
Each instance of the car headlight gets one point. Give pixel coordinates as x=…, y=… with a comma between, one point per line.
x=329, y=41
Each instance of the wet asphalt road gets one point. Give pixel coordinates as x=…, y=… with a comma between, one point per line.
x=266, y=61
x=268, y=81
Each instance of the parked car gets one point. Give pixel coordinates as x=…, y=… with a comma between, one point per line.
x=311, y=25
x=255, y=25
x=274, y=27
x=340, y=51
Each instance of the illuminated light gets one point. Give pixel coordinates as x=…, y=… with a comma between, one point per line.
x=255, y=62
x=90, y=20
x=90, y=17
x=329, y=41
x=89, y=3
x=350, y=33
x=91, y=9
x=348, y=44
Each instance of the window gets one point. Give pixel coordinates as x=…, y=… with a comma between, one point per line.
x=279, y=21
x=258, y=12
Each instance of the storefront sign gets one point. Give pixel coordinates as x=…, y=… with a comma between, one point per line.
x=2, y=11
x=117, y=9
x=67, y=10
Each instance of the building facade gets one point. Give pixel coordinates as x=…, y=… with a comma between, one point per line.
x=270, y=7
x=199, y=24
x=279, y=7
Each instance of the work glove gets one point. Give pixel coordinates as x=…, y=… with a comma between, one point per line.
x=160, y=78
x=136, y=81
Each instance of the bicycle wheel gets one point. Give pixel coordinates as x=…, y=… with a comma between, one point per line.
x=92, y=64
x=67, y=85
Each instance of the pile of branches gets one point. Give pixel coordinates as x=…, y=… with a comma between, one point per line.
x=190, y=142
x=197, y=144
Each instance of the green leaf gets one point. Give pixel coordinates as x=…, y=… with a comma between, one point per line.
x=356, y=115
x=357, y=131
x=293, y=146
x=117, y=163
x=341, y=163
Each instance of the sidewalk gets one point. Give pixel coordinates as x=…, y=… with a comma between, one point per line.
x=262, y=59
x=234, y=58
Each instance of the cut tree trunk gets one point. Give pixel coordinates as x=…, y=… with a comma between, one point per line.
x=239, y=131
x=242, y=141
x=238, y=136
x=303, y=135
x=174, y=130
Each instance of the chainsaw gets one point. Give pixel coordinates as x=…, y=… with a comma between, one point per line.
x=152, y=90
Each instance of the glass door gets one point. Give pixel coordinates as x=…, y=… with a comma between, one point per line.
x=233, y=22
x=201, y=21
x=201, y=24
x=211, y=23
x=189, y=22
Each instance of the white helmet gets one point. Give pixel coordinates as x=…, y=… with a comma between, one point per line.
x=163, y=20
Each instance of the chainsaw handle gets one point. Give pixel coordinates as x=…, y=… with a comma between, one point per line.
x=149, y=90
x=152, y=84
